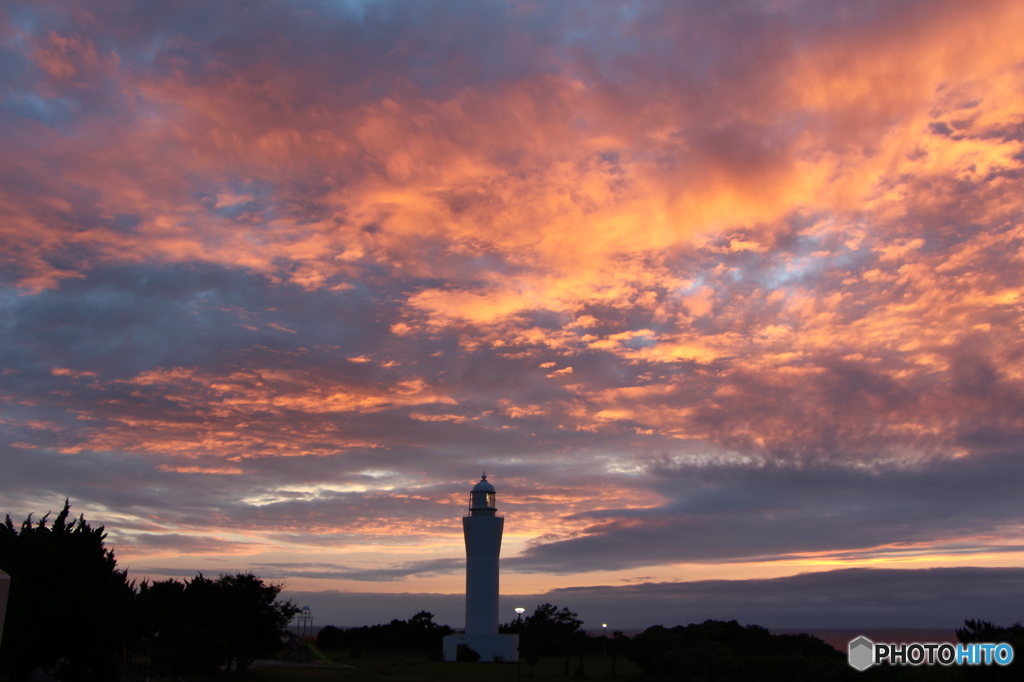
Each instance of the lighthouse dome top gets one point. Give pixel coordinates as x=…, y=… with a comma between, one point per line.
x=483, y=485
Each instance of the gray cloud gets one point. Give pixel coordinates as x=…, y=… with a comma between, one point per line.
x=423, y=567
x=280, y=572
x=852, y=598
x=771, y=512
x=178, y=543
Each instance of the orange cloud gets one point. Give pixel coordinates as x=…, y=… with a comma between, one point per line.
x=760, y=237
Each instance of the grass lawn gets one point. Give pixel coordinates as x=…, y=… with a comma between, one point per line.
x=416, y=666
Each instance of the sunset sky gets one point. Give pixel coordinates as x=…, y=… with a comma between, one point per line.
x=710, y=289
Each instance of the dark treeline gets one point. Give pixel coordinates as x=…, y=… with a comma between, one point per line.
x=75, y=615
x=716, y=650
x=549, y=631
x=72, y=613
x=419, y=633
x=712, y=651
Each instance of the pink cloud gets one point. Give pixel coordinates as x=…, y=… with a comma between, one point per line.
x=277, y=253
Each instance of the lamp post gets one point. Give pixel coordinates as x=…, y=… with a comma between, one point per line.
x=604, y=638
x=519, y=653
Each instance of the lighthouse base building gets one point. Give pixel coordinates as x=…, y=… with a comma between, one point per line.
x=482, y=529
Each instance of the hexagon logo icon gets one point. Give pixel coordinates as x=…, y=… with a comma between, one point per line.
x=862, y=653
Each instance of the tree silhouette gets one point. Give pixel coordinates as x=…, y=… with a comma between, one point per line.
x=549, y=630
x=254, y=620
x=985, y=631
x=179, y=625
x=616, y=646
x=63, y=580
x=330, y=638
x=424, y=633
x=197, y=626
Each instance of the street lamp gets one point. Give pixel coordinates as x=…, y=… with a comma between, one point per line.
x=519, y=652
x=604, y=638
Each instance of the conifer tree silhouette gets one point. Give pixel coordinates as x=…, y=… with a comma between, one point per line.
x=69, y=606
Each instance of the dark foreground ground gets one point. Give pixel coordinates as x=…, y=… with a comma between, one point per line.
x=409, y=666
x=415, y=667
x=705, y=660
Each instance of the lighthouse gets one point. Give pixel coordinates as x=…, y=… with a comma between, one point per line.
x=481, y=529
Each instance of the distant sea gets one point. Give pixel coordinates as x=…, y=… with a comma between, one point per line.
x=840, y=638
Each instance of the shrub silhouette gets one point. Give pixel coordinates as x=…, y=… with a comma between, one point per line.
x=465, y=654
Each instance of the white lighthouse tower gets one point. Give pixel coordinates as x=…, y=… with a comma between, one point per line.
x=482, y=529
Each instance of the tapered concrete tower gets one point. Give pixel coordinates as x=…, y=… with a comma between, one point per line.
x=482, y=528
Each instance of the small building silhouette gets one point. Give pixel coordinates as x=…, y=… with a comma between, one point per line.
x=5, y=586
